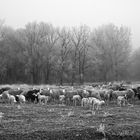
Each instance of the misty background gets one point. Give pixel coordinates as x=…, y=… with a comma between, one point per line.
x=65, y=41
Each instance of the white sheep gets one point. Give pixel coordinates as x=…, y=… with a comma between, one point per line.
x=76, y=98
x=84, y=102
x=62, y=98
x=121, y=101
x=0, y=97
x=42, y=98
x=5, y=97
x=90, y=102
x=64, y=91
x=85, y=93
x=97, y=103
x=21, y=98
x=12, y=99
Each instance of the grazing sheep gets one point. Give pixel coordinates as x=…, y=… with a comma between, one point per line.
x=62, y=99
x=85, y=93
x=5, y=97
x=90, y=102
x=54, y=93
x=4, y=89
x=0, y=98
x=75, y=99
x=84, y=102
x=95, y=93
x=12, y=99
x=105, y=94
x=130, y=95
x=21, y=98
x=69, y=96
x=15, y=91
x=42, y=98
x=117, y=93
x=121, y=100
x=97, y=103
x=31, y=95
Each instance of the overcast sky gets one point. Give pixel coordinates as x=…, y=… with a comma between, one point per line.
x=93, y=13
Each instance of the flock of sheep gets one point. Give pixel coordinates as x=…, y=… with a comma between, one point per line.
x=93, y=97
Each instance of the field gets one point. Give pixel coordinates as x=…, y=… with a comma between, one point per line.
x=59, y=122
x=38, y=122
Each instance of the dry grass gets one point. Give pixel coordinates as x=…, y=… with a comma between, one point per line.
x=34, y=118
x=33, y=121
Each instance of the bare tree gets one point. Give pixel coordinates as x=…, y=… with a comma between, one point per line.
x=49, y=42
x=114, y=46
x=76, y=38
x=40, y=53
x=83, y=53
x=65, y=48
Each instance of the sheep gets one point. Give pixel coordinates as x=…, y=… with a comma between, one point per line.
x=90, y=102
x=76, y=98
x=5, y=97
x=0, y=97
x=95, y=93
x=129, y=94
x=42, y=98
x=31, y=95
x=64, y=91
x=85, y=93
x=84, y=102
x=54, y=93
x=12, y=99
x=97, y=103
x=121, y=100
x=106, y=94
x=21, y=98
x=62, y=98
x=69, y=96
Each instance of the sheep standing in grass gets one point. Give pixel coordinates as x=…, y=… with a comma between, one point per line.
x=76, y=98
x=42, y=98
x=0, y=98
x=62, y=99
x=97, y=103
x=85, y=93
x=21, y=98
x=12, y=99
x=121, y=101
x=5, y=97
x=90, y=102
x=84, y=102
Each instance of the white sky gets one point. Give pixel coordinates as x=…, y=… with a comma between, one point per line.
x=93, y=13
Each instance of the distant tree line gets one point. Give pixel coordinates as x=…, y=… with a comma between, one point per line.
x=41, y=53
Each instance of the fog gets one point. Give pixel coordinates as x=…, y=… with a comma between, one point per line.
x=17, y=13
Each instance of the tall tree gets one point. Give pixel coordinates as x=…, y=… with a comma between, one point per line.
x=134, y=70
x=65, y=48
x=113, y=44
x=79, y=38
x=48, y=48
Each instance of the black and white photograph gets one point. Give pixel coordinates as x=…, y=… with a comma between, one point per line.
x=69, y=70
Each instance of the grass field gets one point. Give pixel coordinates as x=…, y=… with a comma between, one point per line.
x=38, y=122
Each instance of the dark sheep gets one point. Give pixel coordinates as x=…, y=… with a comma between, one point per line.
x=4, y=89
x=32, y=95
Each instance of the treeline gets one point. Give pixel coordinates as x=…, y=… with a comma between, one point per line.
x=41, y=53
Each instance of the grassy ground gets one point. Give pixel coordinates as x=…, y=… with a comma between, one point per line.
x=33, y=121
